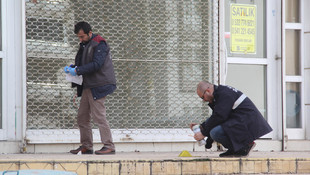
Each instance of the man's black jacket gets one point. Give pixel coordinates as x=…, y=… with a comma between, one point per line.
x=243, y=124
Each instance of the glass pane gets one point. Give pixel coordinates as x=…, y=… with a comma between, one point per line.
x=293, y=115
x=245, y=31
x=251, y=80
x=292, y=11
x=292, y=46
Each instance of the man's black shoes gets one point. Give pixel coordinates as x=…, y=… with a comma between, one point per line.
x=241, y=153
x=245, y=151
x=228, y=153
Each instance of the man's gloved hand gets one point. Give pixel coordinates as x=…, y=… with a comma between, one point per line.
x=72, y=71
x=66, y=69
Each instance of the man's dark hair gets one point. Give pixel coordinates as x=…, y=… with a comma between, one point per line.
x=82, y=25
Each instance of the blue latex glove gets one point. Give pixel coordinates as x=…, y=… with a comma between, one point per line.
x=66, y=69
x=72, y=71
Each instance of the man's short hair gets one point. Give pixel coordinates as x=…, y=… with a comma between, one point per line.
x=82, y=25
x=203, y=85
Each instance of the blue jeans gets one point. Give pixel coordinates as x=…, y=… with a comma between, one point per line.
x=219, y=135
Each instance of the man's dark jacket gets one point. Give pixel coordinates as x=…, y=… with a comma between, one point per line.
x=243, y=124
x=94, y=62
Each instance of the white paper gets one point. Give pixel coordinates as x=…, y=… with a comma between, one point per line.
x=74, y=79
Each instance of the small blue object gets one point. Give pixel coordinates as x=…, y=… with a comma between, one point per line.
x=37, y=172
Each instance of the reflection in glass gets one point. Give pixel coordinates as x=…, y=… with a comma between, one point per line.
x=251, y=80
x=293, y=115
x=292, y=11
x=292, y=46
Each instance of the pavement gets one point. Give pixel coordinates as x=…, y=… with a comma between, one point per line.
x=150, y=156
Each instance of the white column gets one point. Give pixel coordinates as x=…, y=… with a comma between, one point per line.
x=14, y=66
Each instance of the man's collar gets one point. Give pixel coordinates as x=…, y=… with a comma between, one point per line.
x=93, y=36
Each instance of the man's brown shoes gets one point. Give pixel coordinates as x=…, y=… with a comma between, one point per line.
x=83, y=150
x=105, y=150
x=102, y=151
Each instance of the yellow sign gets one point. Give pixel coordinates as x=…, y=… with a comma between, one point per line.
x=243, y=28
x=185, y=154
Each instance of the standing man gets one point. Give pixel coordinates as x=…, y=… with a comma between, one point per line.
x=93, y=61
x=235, y=121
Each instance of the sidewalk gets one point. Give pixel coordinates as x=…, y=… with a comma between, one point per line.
x=151, y=156
x=162, y=163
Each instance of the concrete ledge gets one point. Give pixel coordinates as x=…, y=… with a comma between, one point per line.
x=162, y=163
x=261, y=145
x=9, y=147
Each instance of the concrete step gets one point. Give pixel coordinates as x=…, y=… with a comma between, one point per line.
x=165, y=163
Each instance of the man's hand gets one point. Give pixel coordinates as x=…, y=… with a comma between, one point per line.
x=192, y=124
x=199, y=136
x=66, y=69
x=72, y=71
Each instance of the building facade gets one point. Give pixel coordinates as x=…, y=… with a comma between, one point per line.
x=160, y=50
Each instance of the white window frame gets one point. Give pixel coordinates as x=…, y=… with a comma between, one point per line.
x=13, y=57
x=294, y=133
x=3, y=130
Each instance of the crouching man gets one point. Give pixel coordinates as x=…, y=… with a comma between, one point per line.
x=235, y=121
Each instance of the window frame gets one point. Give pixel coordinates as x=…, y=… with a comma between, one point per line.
x=293, y=133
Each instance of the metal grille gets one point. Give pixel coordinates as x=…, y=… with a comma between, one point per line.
x=160, y=49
